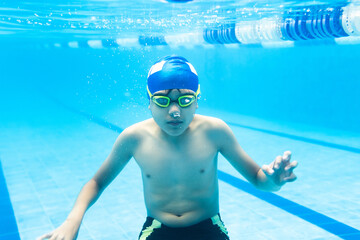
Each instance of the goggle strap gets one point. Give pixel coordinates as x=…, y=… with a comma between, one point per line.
x=150, y=95
x=197, y=94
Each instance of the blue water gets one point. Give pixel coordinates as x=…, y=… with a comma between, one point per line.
x=62, y=109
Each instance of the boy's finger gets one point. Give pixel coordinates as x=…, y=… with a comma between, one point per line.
x=271, y=166
x=291, y=166
x=277, y=163
x=44, y=236
x=291, y=178
x=287, y=156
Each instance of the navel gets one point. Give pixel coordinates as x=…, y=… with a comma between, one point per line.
x=202, y=171
x=148, y=175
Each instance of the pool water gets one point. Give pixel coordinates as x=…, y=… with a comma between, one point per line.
x=64, y=101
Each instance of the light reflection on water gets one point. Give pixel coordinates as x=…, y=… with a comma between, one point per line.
x=106, y=19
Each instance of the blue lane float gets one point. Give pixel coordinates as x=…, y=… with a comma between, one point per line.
x=315, y=24
x=178, y=1
x=224, y=35
x=323, y=23
x=152, y=40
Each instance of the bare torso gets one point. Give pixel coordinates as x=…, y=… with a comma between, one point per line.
x=179, y=174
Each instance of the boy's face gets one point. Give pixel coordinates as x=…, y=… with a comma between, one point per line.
x=173, y=120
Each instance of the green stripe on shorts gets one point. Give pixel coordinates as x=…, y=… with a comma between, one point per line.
x=149, y=230
x=217, y=221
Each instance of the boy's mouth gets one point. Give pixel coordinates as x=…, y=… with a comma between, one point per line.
x=174, y=123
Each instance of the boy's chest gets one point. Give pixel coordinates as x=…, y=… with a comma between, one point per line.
x=184, y=159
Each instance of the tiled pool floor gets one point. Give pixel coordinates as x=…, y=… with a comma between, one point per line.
x=50, y=155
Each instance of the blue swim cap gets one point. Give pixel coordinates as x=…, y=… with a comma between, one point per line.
x=172, y=72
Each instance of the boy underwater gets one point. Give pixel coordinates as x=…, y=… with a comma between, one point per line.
x=177, y=152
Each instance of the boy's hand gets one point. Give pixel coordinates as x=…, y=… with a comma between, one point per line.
x=280, y=171
x=67, y=231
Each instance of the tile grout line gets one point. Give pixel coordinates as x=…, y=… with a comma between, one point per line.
x=299, y=138
x=322, y=221
x=8, y=224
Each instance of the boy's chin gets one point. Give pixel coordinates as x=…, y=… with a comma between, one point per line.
x=174, y=132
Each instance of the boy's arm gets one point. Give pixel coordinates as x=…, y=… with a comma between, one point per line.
x=120, y=155
x=269, y=177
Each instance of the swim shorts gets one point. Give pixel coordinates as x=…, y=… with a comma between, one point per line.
x=209, y=229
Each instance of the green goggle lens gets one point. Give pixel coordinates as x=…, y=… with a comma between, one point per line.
x=164, y=101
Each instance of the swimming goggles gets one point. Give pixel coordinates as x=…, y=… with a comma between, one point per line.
x=164, y=101
x=183, y=101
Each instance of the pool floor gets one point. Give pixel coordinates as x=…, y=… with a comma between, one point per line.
x=49, y=151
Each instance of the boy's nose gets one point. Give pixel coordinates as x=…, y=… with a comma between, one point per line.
x=174, y=110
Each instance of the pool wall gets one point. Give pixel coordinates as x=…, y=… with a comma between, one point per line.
x=311, y=84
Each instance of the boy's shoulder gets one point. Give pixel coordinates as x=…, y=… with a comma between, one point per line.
x=209, y=123
x=140, y=127
x=148, y=127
